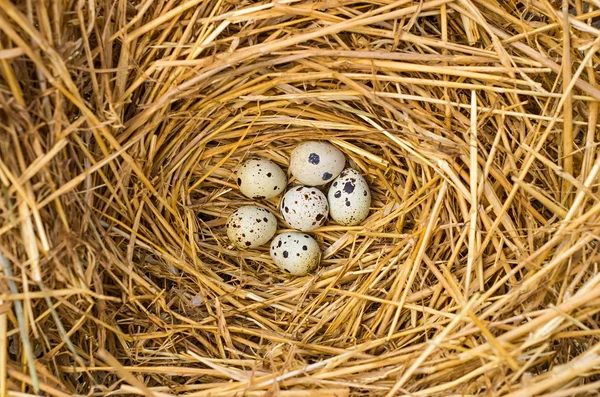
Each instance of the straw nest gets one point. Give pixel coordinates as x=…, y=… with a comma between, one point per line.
x=475, y=123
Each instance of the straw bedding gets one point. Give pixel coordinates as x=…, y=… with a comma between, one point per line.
x=475, y=123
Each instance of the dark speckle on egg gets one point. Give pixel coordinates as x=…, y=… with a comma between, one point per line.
x=266, y=220
x=269, y=174
x=337, y=194
x=285, y=254
x=239, y=181
x=327, y=176
x=349, y=187
x=304, y=248
x=365, y=193
x=314, y=158
x=347, y=203
x=287, y=209
x=248, y=243
x=319, y=217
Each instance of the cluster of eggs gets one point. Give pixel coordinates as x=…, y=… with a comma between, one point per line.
x=304, y=207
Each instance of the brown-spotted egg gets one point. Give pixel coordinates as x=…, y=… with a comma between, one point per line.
x=261, y=178
x=251, y=226
x=349, y=198
x=295, y=253
x=304, y=208
x=315, y=163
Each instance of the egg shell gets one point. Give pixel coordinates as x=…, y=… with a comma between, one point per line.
x=261, y=178
x=315, y=163
x=304, y=208
x=251, y=226
x=349, y=198
x=295, y=253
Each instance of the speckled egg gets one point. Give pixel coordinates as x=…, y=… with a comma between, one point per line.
x=349, y=198
x=251, y=226
x=261, y=178
x=295, y=253
x=304, y=208
x=315, y=163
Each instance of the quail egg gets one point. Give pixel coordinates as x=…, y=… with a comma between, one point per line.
x=261, y=178
x=295, y=253
x=349, y=198
x=315, y=163
x=304, y=208
x=251, y=226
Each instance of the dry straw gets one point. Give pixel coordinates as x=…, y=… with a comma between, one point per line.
x=475, y=123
